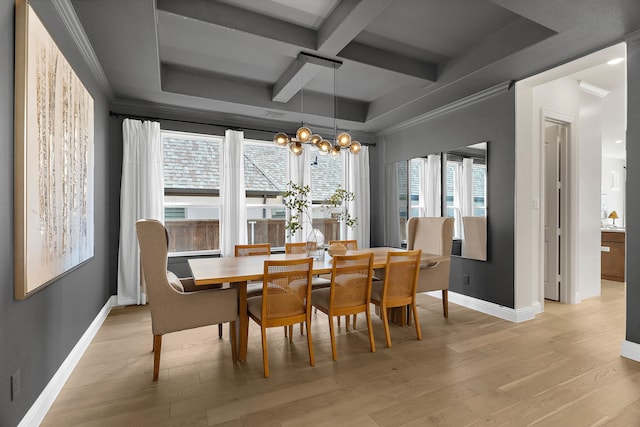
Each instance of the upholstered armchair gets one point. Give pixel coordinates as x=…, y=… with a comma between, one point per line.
x=434, y=235
x=173, y=309
x=475, y=237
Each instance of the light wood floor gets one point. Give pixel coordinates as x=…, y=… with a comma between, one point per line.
x=561, y=369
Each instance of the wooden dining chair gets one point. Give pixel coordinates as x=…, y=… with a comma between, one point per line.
x=253, y=249
x=398, y=289
x=285, y=300
x=351, y=245
x=349, y=293
x=317, y=282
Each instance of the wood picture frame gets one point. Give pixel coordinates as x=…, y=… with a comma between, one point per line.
x=53, y=163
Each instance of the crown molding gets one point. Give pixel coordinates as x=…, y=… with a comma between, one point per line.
x=449, y=108
x=72, y=23
x=633, y=37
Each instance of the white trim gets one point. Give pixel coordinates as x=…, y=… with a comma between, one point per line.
x=454, y=106
x=70, y=18
x=43, y=403
x=630, y=350
x=511, y=314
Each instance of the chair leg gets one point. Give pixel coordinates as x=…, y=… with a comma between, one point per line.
x=232, y=338
x=415, y=319
x=372, y=342
x=355, y=317
x=385, y=322
x=310, y=344
x=302, y=328
x=290, y=332
x=347, y=321
x=219, y=330
x=334, y=353
x=265, y=354
x=157, y=346
x=445, y=302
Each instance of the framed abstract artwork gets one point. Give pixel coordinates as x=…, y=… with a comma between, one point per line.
x=54, y=179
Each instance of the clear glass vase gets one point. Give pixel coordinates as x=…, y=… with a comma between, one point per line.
x=315, y=244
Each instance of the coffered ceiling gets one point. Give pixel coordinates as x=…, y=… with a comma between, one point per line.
x=265, y=62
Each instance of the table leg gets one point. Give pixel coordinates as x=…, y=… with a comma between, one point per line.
x=242, y=325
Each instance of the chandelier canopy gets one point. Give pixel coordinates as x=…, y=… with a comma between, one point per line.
x=304, y=135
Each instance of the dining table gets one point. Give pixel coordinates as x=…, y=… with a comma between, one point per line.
x=237, y=271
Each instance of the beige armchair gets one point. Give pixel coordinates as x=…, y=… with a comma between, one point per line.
x=475, y=237
x=433, y=235
x=172, y=309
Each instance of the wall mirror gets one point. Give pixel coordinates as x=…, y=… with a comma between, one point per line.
x=452, y=183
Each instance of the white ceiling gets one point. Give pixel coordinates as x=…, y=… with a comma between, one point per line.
x=234, y=61
x=595, y=70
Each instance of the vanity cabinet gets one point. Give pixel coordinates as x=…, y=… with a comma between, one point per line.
x=612, y=255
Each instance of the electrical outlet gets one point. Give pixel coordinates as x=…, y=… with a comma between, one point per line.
x=15, y=384
x=466, y=279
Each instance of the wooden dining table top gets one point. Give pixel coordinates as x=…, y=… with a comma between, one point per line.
x=207, y=271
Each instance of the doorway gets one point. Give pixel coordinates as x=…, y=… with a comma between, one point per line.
x=555, y=214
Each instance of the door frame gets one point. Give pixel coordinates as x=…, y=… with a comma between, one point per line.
x=568, y=292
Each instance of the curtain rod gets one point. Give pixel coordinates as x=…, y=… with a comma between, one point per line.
x=238, y=128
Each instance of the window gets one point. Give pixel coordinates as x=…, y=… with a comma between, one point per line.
x=327, y=174
x=266, y=177
x=192, y=189
x=191, y=201
x=417, y=205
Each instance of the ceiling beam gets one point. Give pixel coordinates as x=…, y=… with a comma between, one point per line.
x=298, y=74
x=391, y=61
x=255, y=97
x=235, y=18
x=348, y=19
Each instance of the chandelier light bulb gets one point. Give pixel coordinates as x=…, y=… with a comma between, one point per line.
x=296, y=148
x=281, y=139
x=324, y=147
x=355, y=147
x=315, y=139
x=303, y=134
x=335, y=152
x=344, y=139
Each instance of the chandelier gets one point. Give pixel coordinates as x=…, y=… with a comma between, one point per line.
x=304, y=135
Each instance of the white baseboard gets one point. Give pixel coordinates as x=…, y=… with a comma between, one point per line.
x=492, y=309
x=43, y=403
x=630, y=350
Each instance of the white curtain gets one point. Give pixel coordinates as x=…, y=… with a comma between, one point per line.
x=233, y=216
x=467, y=198
x=358, y=183
x=467, y=187
x=392, y=206
x=457, y=200
x=430, y=194
x=141, y=197
x=300, y=174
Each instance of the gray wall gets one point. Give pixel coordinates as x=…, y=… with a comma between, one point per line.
x=37, y=334
x=491, y=120
x=633, y=186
